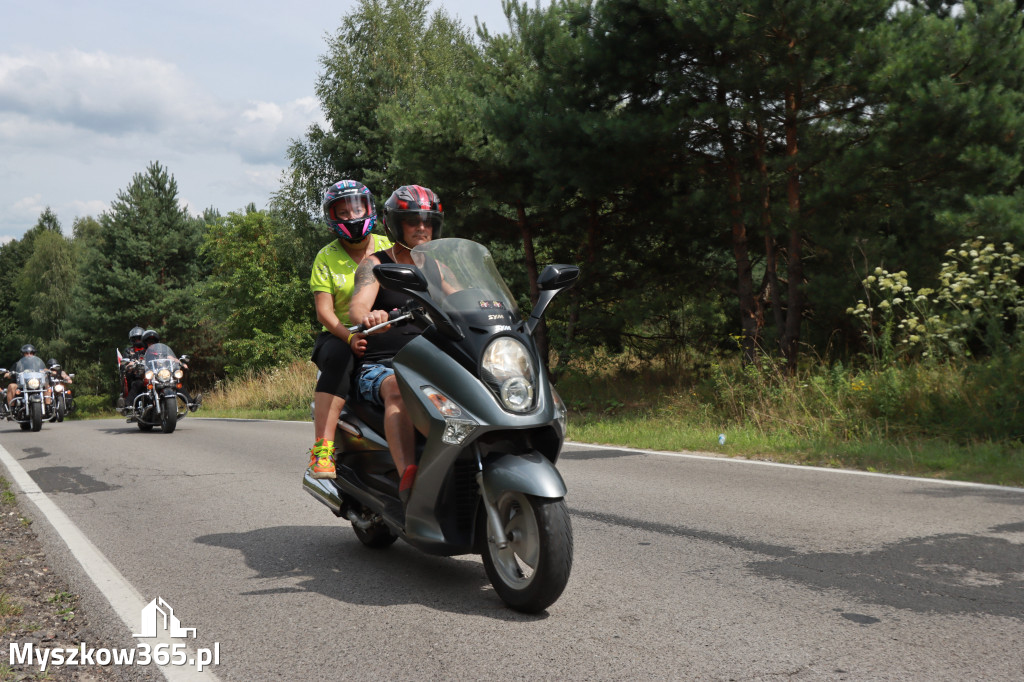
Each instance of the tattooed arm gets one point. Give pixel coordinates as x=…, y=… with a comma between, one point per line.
x=360, y=309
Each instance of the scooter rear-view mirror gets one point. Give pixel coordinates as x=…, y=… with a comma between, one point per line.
x=395, y=276
x=558, y=277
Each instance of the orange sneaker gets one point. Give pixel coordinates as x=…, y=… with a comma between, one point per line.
x=321, y=459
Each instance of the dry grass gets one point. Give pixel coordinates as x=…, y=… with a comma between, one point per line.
x=283, y=388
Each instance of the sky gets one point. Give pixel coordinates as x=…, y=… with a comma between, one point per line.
x=93, y=92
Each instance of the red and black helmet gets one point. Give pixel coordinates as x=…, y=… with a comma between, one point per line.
x=410, y=200
x=355, y=197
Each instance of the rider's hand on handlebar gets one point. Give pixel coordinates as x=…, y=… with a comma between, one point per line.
x=375, y=317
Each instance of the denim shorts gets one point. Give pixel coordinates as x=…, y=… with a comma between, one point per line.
x=370, y=379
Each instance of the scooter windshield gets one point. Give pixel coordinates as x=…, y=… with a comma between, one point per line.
x=463, y=280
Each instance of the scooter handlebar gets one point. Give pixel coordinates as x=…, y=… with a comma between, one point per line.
x=395, y=315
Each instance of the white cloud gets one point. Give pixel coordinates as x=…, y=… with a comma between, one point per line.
x=93, y=207
x=33, y=203
x=77, y=102
x=82, y=123
x=95, y=91
x=263, y=131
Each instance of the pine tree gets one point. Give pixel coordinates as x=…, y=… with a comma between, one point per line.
x=141, y=268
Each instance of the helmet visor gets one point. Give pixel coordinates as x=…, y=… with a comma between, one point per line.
x=415, y=218
x=351, y=207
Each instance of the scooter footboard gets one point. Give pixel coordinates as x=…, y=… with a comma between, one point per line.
x=532, y=474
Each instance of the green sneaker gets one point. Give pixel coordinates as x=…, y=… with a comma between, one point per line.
x=321, y=459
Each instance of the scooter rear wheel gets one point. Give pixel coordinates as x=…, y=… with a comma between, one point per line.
x=532, y=571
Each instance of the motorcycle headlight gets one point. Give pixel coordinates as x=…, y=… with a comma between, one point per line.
x=508, y=369
x=178, y=374
x=149, y=375
x=164, y=375
x=33, y=383
x=58, y=388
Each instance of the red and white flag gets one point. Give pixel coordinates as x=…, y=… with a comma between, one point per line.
x=119, y=358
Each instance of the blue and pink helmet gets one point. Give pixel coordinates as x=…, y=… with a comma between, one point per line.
x=353, y=199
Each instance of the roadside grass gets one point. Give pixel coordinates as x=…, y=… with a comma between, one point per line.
x=963, y=422
x=998, y=463
x=281, y=393
x=8, y=607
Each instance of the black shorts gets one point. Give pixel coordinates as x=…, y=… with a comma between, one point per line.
x=336, y=361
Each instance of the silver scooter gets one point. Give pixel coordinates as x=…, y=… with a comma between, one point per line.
x=474, y=383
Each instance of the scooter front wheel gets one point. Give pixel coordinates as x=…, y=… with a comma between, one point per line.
x=530, y=573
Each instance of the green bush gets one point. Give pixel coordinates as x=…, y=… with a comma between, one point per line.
x=91, y=406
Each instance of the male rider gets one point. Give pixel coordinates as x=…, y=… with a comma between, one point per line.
x=129, y=367
x=27, y=351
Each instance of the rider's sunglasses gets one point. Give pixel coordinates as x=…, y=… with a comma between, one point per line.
x=417, y=219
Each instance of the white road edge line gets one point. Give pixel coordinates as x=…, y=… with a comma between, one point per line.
x=801, y=467
x=126, y=601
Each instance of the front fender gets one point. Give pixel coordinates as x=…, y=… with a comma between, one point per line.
x=532, y=474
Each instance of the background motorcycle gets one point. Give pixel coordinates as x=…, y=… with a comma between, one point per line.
x=31, y=403
x=160, y=403
x=63, y=402
x=473, y=382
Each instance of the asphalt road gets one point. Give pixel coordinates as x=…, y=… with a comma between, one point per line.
x=685, y=567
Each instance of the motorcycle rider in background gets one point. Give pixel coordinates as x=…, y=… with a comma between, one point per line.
x=59, y=374
x=28, y=350
x=149, y=337
x=129, y=365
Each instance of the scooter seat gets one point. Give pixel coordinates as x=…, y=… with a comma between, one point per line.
x=368, y=413
x=373, y=417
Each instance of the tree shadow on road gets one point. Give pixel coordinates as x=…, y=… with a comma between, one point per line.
x=332, y=562
x=950, y=573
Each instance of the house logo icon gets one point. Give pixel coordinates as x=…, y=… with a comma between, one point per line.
x=157, y=615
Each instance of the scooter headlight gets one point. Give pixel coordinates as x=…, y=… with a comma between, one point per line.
x=561, y=412
x=508, y=369
x=457, y=425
